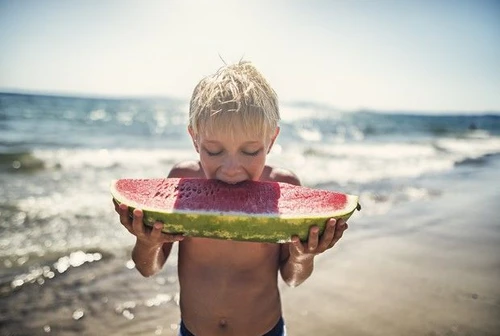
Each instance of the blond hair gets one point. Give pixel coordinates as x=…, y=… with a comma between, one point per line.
x=236, y=93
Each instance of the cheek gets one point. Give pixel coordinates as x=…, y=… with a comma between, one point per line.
x=255, y=164
x=211, y=164
x=258, y=160
x=209, y=161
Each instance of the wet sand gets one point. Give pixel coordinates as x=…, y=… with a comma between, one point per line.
x=427, y=268
x=108, y=297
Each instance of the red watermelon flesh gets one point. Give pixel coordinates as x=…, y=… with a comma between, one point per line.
x=249, y=197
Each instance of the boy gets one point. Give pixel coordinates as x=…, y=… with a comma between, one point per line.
x=229, y=287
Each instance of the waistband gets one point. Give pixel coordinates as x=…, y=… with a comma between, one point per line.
x=277, y=330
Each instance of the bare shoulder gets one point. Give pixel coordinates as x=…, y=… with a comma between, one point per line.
x=187, y=169
x=278, y=174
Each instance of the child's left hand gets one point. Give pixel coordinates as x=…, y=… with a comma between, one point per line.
x=315, y=244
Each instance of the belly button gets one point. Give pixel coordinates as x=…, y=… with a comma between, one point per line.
x=222, y=323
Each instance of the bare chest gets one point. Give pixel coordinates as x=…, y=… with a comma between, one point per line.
x=221, y=254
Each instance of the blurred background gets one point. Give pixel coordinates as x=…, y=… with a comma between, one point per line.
x=391, y=100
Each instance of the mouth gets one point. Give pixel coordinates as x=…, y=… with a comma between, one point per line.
x=228, y=181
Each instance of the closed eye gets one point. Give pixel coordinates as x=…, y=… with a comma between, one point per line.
x=213, y=153
x=252, y=153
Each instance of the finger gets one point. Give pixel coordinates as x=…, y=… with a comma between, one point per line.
x=174, y=238
x=156, y=233
x=137, y=224
x=341, y=222
x=312, y=241
x=296, y=247
x=124, y=216
x=339, y=232
x=328, y=234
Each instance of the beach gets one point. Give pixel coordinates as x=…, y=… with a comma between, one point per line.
x=428, y=267
x=420, y=258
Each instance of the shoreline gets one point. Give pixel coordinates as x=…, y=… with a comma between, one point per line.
x=422, y=269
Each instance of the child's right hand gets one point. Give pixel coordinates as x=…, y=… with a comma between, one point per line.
x=149, y=236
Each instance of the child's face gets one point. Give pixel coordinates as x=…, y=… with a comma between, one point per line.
x=235, y=157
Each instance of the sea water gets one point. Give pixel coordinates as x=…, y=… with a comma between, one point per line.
x=59, y=154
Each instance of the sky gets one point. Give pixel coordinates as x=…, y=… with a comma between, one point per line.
x=421, y=55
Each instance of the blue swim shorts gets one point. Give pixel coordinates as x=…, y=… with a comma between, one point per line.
x=278, y=330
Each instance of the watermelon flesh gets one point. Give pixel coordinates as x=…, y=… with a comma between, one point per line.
x=247, y=211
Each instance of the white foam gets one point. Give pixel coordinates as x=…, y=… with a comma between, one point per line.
x=389, y=151
x=107, y=158
x=358, y=162
x=470, y=148
x=310, y=134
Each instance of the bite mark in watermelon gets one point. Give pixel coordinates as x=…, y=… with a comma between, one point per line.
x=248, y=211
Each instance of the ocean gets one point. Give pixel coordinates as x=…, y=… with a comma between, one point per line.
x=59, y=154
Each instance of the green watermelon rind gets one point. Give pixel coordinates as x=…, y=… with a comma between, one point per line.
x=238, y=226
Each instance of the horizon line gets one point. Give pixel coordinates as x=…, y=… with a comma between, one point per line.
x=298, y=102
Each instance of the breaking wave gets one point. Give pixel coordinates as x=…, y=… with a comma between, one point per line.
x=21, y=162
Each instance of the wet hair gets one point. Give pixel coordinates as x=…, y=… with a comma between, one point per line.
x=237, y=97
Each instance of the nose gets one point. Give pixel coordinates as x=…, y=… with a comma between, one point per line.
x=230, y=165
x=231, y=169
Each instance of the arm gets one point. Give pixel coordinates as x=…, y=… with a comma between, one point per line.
x=296, y=257
x=294, y=271
x=152, y=246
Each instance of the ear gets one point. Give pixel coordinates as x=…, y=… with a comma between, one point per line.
x=273, y=138
x=194, y=138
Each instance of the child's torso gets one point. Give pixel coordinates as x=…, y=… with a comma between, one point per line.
x=227, y=287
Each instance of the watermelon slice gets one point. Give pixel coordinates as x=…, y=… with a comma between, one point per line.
x=248, y=211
